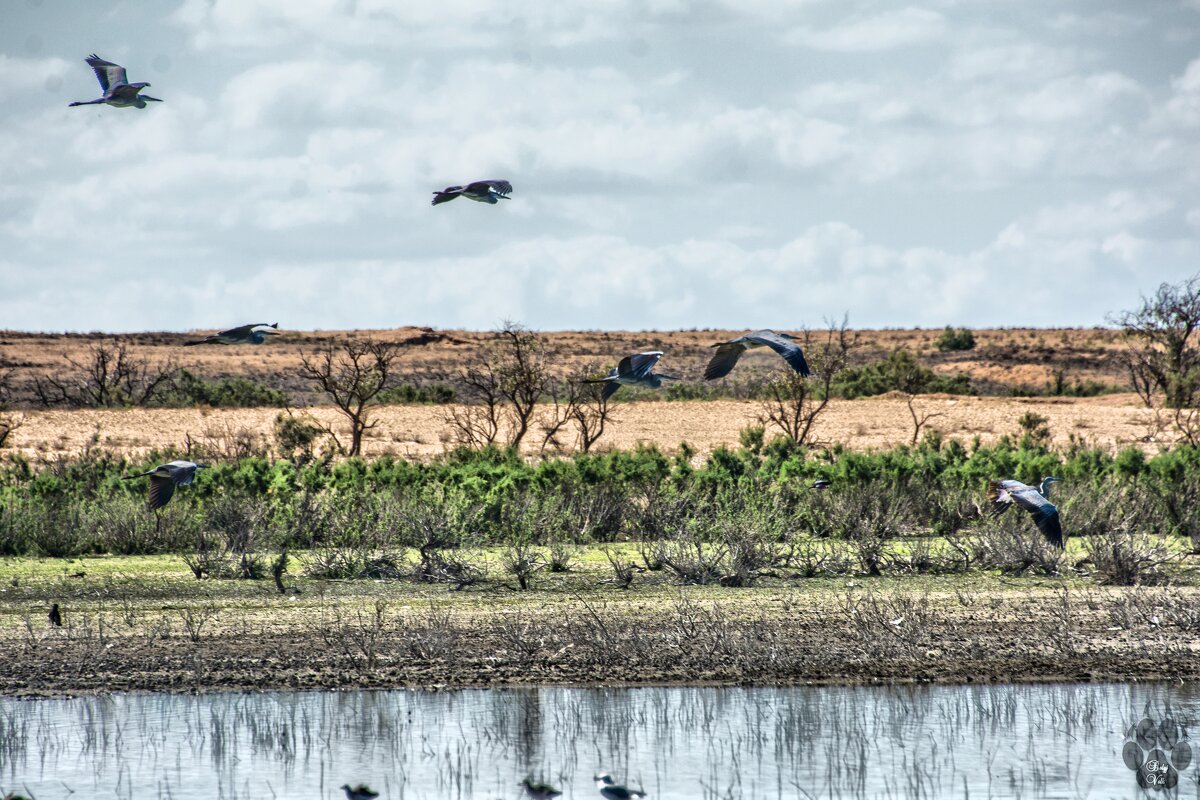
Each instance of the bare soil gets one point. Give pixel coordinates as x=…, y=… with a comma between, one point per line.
x=789, y=635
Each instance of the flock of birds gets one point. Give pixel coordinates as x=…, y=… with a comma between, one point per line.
x=609, y=790
x=636, y=369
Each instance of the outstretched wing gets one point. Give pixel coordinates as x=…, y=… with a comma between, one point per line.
x=241, y=331
x=640, y=364
x=161, y=489
x=723, y=360
x=108, y=73
x=610, y=388
x=1045, y=514
x=784, y=346
x=481, y=187
x=447, y=194
x=1000, y=494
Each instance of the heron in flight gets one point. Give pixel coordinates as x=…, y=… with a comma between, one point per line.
x=255, y=333
x=611, y=790
x=539, y=791
x=634, y=370
x=164, y=478
x=1003, y=494
x=118, y=91
x=479, y=191
x=728, y=353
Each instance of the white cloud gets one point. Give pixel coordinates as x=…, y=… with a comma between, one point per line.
x=891, y=29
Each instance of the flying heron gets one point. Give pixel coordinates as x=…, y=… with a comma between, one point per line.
x=118, y=91
x=539, y=791
x=820, y=484
x=164, y=478
x=479, y=191
x=610, y=790
x=255, y=333
x=634, y=370
x=728, y=353
x=1004, y=493
x=360, y=792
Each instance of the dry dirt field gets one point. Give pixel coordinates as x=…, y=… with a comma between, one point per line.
x=421, y=431
x=1002, y=359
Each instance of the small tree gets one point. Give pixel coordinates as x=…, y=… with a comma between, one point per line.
x=502, y=388
x=911, y=379
x=950, y=339
x=8, y=423
x=1164, y=355
x=590, y=413
x=352, y=372
x=111, y=377
x=793, y=403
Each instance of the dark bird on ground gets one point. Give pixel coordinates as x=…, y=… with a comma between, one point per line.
x=360, y=792
x=728, y=353
x=539, y=791
x=164, y=478
x=118, y=91
x=254, y=333
x=479, y=191
x=634, y=370
x=610, y=790
x=55, y=615
x=1005, y=493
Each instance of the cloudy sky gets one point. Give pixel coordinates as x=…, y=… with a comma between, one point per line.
x=717, y=163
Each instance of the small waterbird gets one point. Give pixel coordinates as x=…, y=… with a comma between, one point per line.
x=118, y=91
x=254, y=333
x=729, y=352
x=55, y=615
x=634, y=370
x=164, y=478
x=539, y=791
x=610, y=790
x=360, y=792
x=479, y=191
x=1003, y=494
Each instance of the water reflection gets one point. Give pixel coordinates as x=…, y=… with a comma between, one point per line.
x=995, y=741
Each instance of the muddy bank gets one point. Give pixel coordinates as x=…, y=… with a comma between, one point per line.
x=864, y=639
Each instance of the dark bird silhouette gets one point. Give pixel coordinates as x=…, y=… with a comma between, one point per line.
x=539, y=791
x=55, y=615
x=819, y=484
x=634, y=370
x=479, y=191
x=360, y=792
x=118, y=91
x=1003, y=494
x=254, y=333
x=728, y=353
x=164, y=478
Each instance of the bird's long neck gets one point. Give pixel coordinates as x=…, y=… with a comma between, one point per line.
x=1045, y=487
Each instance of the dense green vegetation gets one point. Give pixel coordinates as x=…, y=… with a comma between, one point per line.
x=899, y=372
x=189, y=389
x=739, y=515
x=951, y=339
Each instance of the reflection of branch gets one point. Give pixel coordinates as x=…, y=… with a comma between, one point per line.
x=919, y=420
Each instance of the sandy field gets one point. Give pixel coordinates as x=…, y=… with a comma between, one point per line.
x=421, y=431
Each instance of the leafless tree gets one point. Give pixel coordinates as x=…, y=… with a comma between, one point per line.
x=352, y=372
x=110, y=377
x=590, y=414
x=503, y=387
x=8, y=422
x=910, y=381
x=1163, y=357
x=793, y=403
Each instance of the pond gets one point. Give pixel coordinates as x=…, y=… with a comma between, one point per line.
x=1049, y=740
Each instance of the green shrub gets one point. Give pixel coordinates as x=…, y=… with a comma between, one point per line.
x=951, y=339
x=190, y=389
x=899, y=372
x=411, y=394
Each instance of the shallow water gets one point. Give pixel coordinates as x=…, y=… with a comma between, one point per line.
x=977, y=741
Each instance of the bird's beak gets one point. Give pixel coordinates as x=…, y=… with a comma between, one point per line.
x=669, y=377
x=202, y=466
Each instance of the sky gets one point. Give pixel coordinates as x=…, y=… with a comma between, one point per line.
x=717, y=163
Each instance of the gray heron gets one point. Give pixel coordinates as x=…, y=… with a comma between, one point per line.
x=255, y=333
x=360, y=792
x=610, y=790
x=479, y=191
x=634, y=370
x=539, y=791
x=118, y=91
x=1003, y=494
x=728, y=353
x=164, y=478
x=820, y=484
